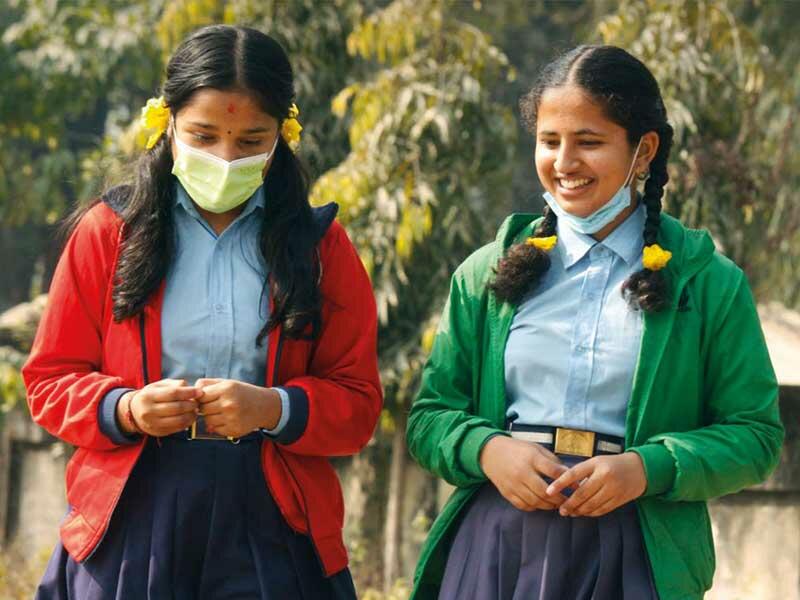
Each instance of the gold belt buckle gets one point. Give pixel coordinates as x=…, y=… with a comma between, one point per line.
x=198, y=432
x=575, y=442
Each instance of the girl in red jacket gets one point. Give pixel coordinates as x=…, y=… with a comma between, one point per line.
x=209, y=341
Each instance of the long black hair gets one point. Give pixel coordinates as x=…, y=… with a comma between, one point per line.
x=226, y=58
x=630, y=97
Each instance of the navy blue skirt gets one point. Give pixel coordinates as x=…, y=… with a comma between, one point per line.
x=196, y=521
x=503, y=553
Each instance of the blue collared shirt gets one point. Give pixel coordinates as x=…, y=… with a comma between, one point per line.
x=214, y=305
x=574, y=341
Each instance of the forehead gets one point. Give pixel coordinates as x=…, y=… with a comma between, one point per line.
x=230, y=108
x=569, y=109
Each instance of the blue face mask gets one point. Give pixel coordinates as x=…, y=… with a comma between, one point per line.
x=603, y=215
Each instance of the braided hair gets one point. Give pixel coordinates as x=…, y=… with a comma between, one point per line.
x=630, y=97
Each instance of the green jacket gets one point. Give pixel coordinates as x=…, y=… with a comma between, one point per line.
x=703, y=413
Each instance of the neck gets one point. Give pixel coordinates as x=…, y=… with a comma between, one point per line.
x=606, y=231
x=219, y=221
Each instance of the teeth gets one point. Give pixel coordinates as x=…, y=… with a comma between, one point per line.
x=571, y=184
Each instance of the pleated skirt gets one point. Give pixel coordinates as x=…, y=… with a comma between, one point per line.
x=503, y=553
x=196, y=521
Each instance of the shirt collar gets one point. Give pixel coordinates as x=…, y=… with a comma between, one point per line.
x=626, y=240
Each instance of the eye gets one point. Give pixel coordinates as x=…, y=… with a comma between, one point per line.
x=590, y=143
x=549, y=143
x=202, y=138
x=252, y=142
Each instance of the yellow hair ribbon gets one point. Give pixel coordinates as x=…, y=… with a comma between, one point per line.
x=155, y=117
x=291, y=128
x=542, y=243
x=655, y=258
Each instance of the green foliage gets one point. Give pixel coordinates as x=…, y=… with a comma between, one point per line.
x=734, y=105
x=424, y=180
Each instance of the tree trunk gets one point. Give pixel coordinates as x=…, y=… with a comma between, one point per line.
x=393, y=530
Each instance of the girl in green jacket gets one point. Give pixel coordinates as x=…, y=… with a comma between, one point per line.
x=598, y=373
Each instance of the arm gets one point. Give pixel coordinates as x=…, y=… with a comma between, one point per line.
x=444, y=434
x=741, y=444
x=62, y=377
x=334, y=407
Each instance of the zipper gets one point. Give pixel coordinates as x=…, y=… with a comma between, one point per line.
x=275, y=365
x=146, y=379
x=145, y=375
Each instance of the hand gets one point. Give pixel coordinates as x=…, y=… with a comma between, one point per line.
x=162, y=407
x=607, y=482
x=516, y=469
x=234, y=408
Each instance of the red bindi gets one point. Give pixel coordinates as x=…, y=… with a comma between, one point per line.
x=231, y=108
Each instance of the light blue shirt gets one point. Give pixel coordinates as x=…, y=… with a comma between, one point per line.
x=574, y=341
x=215, y=302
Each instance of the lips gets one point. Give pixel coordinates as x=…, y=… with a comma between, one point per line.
x=574, y=183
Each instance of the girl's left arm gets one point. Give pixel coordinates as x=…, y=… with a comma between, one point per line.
x=340, y=397
x=741, y=444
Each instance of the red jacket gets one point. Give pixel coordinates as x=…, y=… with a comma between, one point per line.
x=80, y=353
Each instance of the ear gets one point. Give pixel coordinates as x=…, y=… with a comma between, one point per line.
x=647, y=151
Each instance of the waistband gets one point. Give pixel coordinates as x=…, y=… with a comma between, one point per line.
x=575, y=442
x=186, y=436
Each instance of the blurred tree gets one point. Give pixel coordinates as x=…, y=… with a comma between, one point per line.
x=425, y=183
x=734, y=104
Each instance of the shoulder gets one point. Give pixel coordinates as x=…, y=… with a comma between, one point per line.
x=477, y=270
x=97, y=229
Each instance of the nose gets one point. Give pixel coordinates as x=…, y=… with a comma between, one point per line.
x=566, y=159
x=227, y=150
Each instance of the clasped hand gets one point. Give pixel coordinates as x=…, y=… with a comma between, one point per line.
x=517, y=469
x=230, y=408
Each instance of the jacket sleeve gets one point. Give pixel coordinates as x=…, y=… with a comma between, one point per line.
x=335, y=407
x=444, y=433
x=741, y=444
x=62, y=374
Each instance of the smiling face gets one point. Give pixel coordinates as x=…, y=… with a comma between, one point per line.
x=582, y=157
x=227, y=124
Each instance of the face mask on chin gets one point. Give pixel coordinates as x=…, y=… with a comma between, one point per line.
x=215, y=184
x=602, y=216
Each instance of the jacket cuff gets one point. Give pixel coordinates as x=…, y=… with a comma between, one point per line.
x=471, y=446
x=285, y=411
x=294, y=404
x=659, y=467
x=107, y=418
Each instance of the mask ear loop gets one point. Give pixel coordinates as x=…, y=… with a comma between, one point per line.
x=629, y=178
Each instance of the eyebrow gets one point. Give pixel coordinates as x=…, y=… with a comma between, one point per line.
x=209, y=126
x=584, y=131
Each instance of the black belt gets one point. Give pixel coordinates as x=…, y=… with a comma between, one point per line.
x=575, y=442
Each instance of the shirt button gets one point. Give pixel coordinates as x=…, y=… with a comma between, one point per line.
x=218, y=307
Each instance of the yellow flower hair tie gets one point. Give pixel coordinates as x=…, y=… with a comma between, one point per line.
x=542, y=243
x=155, y=117
x=291, y=128
x=655, y=258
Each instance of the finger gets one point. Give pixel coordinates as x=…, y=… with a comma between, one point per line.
x=549, y=467
x=586, y=491
x=214, y=391
x=572, y=477
x=606, y=508
x=176, y=394
x=517, y=502
x=538, y=487
x=215, y=422
x=169, y=425
x=206, y=381
x=597, y=496
x=170, y=383
x=172, y=409
x=213, y=407
x=527, y=496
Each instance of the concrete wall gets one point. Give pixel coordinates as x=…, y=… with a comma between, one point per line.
x=757, y=531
